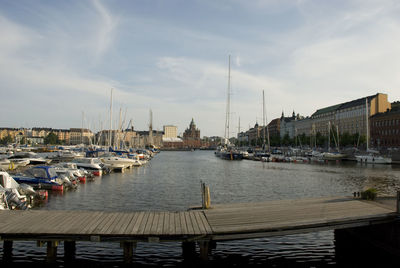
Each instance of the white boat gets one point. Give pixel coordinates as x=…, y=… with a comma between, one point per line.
x=71, y=170
x=5, y=164
x=373, y=159
x=13, y=197
x=34, y=159
x=332, y=156
x=94, y=165
x=115, y=162
x=22, y=162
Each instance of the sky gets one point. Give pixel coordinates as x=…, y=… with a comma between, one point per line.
x=60, y=60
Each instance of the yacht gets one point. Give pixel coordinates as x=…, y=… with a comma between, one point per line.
x=373, y=159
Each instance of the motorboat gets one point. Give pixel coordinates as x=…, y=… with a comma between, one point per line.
x=228, y=153
x=69, y=167
x=5, y=164
x=93, y=165
x=44, y=177
x=34, y=159
x=14, y=199
x=19, y=162
x=115, y=162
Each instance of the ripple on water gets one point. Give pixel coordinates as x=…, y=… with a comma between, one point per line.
x=171, y=181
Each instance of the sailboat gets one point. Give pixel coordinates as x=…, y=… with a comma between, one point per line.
x=334, y=156
x=264, y=154
x=226, y=150
x=372, y=156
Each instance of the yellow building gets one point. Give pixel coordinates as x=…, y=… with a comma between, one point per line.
x=170, y=132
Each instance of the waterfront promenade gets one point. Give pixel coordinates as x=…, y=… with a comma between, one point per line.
x=220, y=222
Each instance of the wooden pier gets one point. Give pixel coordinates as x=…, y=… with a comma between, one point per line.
x=220, y=222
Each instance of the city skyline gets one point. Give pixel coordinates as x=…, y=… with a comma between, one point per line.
x=60, y=59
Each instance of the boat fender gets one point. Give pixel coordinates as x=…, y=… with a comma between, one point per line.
x=207, y=199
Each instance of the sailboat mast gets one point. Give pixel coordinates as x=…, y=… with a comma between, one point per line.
x=263, y=121
x=228, y=102
x=239, y=132
x=109, y=132
x=366, y=120
x=329, y=136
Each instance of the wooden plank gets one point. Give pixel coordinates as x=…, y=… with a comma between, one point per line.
x=184, y=230
x=44, y=223
x=171, y=226
x=197, y=223
x=200, y=224
x=167, y=223
x=160, y=224
x=136, y=228
x=114, y=222
x=154, y=224
x=20, y=222
x=120, y=225
x=80, y=224
x=189, y=223
x=143, y=223
x=93, y=222
x=178, y=224
x=149, y=224
x=100, y=225
x=65, y=220
x=206, y=223
x=110, y=221
x=132, y=223
x=128, y=221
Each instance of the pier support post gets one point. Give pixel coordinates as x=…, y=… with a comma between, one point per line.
x=398, y=202
x=204, y=250
x=7, y=250
x=188, y=250
x=69, y=250
x=129, y=248
x=51, y=251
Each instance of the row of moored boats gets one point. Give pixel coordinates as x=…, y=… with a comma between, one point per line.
x=26, y=177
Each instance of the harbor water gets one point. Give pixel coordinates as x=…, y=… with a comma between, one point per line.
x=171, y=182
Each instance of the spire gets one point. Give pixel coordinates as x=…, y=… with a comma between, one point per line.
x=282, y=116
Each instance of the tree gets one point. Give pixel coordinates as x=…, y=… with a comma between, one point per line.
x=51, y=138
x=6, y=140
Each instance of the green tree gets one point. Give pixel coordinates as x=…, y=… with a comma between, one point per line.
x=6, y=140
x=51, y=138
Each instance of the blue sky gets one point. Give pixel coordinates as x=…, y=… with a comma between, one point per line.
x=59, y=59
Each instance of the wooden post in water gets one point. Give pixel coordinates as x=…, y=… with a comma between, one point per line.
x=204, y=250
x=128, y=251
x=398, y=202
x=188, y=250
x=51, y=251
x=7, y=250
x=69, y=250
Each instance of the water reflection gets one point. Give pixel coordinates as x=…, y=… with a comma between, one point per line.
x=171, y=181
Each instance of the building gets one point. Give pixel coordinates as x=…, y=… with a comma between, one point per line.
x=191, y=136
x=304, y=126
x=170, y=131
x=288, y=125
x=350, y=117
x=274, y=127
x=385, y=129
x=80, y=135
x=254, y=135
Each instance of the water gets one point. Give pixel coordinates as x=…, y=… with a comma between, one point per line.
x=171, y=181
